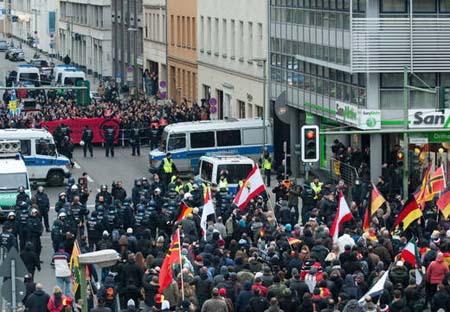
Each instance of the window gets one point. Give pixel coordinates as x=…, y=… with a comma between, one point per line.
x=202, y=139
x=12, y=181
x=201, y=32
x=444, y=5
x=206, y=171
x=233, y=38
x=44, y=147
x=177, y=141
x=250, y=40
x=241, y=109
x=229, y=137
x=424, y=6
x=393, y=6
x=392, y=80
x=172, y=30
x=235, y=172
x=25, y=147
x=252, y=136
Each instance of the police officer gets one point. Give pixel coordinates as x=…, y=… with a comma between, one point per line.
x=167, y=169
x=135, y=140
x=8, y=240
x=62, y=199
x=316, y=186
x=107, y=197
x=223, y=183
x=110, y=135
x=79, y=212
x=87, y=137
x=11, y=223
x=266, y=162
x=57, y=234
x=35, y=229
x=22, y=196
x=22, y=222
x=118, y=192
x=43, y=204
x=94, y=230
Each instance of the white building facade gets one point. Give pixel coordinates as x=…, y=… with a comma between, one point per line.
x=85, y=35
x=229, y=42
x=154, y=38
x=37, y=20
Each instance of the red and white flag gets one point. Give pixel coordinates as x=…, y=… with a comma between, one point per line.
x=252, y=186
x=343, y=214
x=208, y=209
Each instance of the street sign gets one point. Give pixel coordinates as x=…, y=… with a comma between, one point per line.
x=7, y=290
x=130, y=73
x=213, y=101
x=163, y=90
x=5, y=267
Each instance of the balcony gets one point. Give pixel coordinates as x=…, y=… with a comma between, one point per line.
x=389, y=44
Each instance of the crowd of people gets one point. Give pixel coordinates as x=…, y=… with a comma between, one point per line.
x=260, y=258
x=130, y=111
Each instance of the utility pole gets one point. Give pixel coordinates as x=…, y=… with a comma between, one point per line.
x=405, y=134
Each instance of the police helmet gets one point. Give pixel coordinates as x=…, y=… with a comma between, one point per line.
x=152, y=203
x=62, y=194
x=40, y=189
x=127, y=200
x=104, y=188
x=21, y=189
x=71, y=181
x=34, y=210
x=23, y=205
x=140, y=208
x=74, y=187
x=11, y=214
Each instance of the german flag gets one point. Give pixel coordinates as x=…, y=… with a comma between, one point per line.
x=185, y=211
x=409, y=214
x=293, y=241
x=436, y=183
x=420, y=195
x=165, y=275
x=443, y=203
x=376, y=200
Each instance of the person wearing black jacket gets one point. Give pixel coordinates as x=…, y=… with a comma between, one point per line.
x=130, y=280
x=110, y=135
x=38, y=300
x=43, y=204
x=30, y=259
x=87, y=137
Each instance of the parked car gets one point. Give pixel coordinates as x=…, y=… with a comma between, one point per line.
x=39, y=63
x=17, y=56
x=46, y=74
x=9, y=51
x=3, y=45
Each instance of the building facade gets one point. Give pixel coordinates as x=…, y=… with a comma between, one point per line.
x=34, y=21
x=340, y=64
x=85, y=35
x=127, y=42
x=182, y=50
x=230, y=43
x=154, y=38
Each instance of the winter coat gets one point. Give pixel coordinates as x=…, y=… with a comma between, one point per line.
x=440, y=300
x=203, y=287
x=215, y=305
x=244, y=298
x=37, y=302
x=436, y=271
x=257, y=304
x=51, y=305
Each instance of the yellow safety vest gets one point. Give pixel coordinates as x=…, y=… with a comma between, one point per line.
x=267, y=164
x=316, y=188
x=178, y=188
x=223, y=184
x=189, y=187
x=167, y=165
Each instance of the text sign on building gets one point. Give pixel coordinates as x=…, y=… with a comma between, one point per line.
x=364, y=119
x=347, y=113
x=428, y=118
x=369, y=119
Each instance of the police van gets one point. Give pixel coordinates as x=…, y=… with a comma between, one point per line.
x=24, y=74
x=13, y=174
x=71, y=76
x=38, y=150
x=237, y=169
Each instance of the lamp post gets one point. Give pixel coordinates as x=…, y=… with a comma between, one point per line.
x=264, y=117
x=135, y=72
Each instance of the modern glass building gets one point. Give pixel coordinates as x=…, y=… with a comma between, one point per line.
x=340, y=64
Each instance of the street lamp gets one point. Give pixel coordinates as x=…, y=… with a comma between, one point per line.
x=264, y=62
x=135, y=73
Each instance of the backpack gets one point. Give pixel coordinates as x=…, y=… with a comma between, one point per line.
x=110, y=294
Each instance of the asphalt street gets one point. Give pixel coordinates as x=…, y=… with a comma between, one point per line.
x=101, y=170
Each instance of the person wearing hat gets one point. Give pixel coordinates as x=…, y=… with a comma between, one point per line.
x=37, y=302
x=167, y=169
x=101, y=306
x=215, y=304
x=34, y=230
x=131, y=306
x=399, y=274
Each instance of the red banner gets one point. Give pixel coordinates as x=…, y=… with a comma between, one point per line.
x=77, y=126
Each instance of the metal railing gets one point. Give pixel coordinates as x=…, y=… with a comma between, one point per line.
x=340, y=170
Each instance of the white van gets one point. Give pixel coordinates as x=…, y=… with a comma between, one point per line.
x=39, y=152
x=70, y=77
x=24, y=74
x=237, y=167
x=57, y=72
x=13, y=174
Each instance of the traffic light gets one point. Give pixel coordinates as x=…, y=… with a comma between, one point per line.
x=415, y=161
x=310, y=143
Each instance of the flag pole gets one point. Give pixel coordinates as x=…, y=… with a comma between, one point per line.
x=181, y=264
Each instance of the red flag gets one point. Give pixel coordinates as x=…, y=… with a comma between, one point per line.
x=252, y=186
x=343, y=214
x=366, y=224
x=293, y=241
x=185, y=211
x=420, y=196
x=165, y=275
x=436, y=183
x=443, y=204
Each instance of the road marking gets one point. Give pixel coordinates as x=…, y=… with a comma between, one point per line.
x=76, y=165
x=90, y=180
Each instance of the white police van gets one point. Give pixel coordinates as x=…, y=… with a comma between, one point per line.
x=13, y=174
x=237, y=168
x=39, y=152
x=70, y=77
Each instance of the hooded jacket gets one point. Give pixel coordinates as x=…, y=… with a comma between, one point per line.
x=437, y=270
